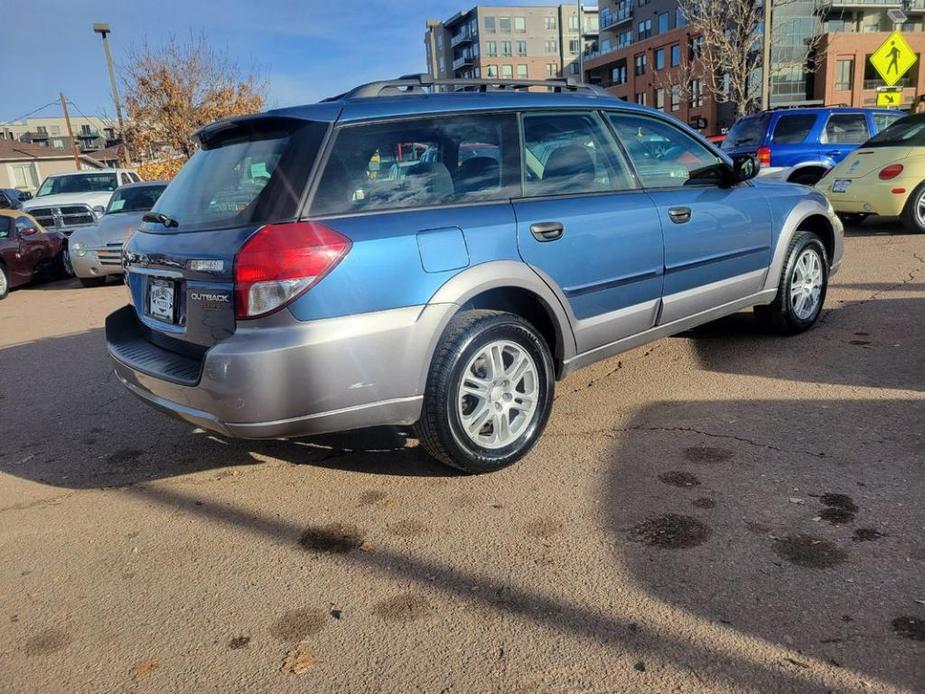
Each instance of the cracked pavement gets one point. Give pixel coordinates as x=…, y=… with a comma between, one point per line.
x=723, y=510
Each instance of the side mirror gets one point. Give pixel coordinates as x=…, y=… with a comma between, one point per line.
x=744, y=167
x=27, y=231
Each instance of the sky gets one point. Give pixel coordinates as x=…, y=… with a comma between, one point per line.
x=307, y=50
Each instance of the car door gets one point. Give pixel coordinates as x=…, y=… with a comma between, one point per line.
x=717, y=235
x=841, y=135
x=33, y=245
x=585, y=224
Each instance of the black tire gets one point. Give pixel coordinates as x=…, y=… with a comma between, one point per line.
x=440, y=428
x=780, y=316
x=4, y=282
x=910, y=220
x=90, y=282
x=852, y=218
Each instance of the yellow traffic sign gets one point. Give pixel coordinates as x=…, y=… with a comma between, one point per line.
x=893, y=59
x=889, y=96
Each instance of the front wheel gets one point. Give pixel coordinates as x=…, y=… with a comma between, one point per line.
x=489, y=392
x=4, y=283
x=914, y=212
x=802, y=287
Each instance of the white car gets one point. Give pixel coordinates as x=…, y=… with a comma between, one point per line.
x=66, y=201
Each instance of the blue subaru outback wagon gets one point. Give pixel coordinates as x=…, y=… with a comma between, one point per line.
x=439, y=254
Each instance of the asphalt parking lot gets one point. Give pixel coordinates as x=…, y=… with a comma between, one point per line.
x=722, y=511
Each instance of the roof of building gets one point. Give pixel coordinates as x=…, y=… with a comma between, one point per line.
x=112, y=153
x=11, y=150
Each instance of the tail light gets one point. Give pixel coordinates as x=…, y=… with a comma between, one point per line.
x=281, y=262
x=891, y=171
x=764, y=156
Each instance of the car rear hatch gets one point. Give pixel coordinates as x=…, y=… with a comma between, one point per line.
x=867, y=160
x=746, y=135
x=248, y=173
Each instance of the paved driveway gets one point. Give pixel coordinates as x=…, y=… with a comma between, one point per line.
x=722, y=510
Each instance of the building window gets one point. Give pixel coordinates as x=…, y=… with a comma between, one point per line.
x=696, y=93
x=490, y=25
x=520, y=25
x=507, y=71
x=676, y=55
x=660, y=59
x=642, y=3
x=844, y=74
x=442, y=63
x=506, y=48
x=552, y=46
x=663, y=23
x=641, y=98
x=618, y=74
x=492, y=70
x=679, y=19
x=639, y=64
x=573, y=68
x=521, y=48
x=491, y=47
x=552, y=69
x=675, y=98
x=522, y=71
x=660, y=99
x=504, y=25
x=624, y=39
x=573, y=45
x=644, y=30
x=573, y=23
x=549, y=23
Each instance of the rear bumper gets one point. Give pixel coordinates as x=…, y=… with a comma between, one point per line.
x=864, y=197
x=775, y=173
x=287, y=378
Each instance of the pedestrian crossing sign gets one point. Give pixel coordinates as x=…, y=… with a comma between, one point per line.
x=889, y=96
x=893, y=59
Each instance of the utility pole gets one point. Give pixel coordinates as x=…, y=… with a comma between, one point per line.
x=70, y=132
x=104, y=30
x=581, y=43
x=766, y=58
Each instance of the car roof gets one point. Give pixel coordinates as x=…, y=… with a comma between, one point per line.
x=142, y=184
x=15, y=213
x=87, y=171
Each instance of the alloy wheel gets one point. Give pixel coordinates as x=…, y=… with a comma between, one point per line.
x=806, y=284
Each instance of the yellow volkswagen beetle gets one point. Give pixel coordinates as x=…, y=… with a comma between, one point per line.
x=884, y=176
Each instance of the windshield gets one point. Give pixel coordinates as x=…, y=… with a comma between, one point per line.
x=79, y=183
x=135, y=198
x=747, y=132
x=244, y=178
x=908, y=132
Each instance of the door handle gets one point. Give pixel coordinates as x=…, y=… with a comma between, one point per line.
x=679, y=215
x=547, y=231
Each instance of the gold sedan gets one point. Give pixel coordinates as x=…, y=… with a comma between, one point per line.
x=884, y=176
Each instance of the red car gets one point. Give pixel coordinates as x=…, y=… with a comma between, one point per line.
x=26, y=250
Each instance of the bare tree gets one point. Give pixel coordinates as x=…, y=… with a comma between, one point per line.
x=173, y=89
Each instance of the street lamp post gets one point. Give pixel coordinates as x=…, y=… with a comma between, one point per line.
x=104, y=30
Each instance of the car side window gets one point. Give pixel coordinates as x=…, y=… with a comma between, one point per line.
x=5, y=223
x=793, y=129
x=845, y=129
x=23, y=223
x=664, y=156
x=885, y=120
x=420, y=162
x=571, y=153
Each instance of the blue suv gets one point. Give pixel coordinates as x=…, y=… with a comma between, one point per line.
x=438, y=254
x=800, y=144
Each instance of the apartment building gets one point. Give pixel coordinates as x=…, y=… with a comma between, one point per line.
x=92, y=133
x=511, y=42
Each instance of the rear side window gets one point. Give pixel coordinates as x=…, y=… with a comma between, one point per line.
x=252, y=173
x=747, y=132
x=571, y=153
x=792, y=130
x=5, y=227
x=420, y=163
x=908, y=132
x=845, y=129
x=885, y=120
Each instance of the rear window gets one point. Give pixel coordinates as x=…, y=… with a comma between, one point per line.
x=792, y=130
x=908, y=132
x=135, y=199
x=747, y=132
x=845, y=129
x=79, y=183
x=253, y=173
x=420, y=163
x=885, y=120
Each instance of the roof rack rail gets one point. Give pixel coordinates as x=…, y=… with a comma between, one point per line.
x=425, y=84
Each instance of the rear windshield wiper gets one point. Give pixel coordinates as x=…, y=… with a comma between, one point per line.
x=160, y=218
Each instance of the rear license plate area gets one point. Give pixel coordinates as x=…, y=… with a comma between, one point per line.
x=161, y=300
x=840, y=185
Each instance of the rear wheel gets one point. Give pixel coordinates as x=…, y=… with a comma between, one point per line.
x=4, y=283
x=802, y=287
x=89, y=282
x=914, y=212
x=489, y=392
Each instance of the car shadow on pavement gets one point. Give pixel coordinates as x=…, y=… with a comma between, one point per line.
x=845, y=348
x=68, y=422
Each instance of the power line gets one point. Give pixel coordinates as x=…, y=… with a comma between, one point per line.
x=40, y=108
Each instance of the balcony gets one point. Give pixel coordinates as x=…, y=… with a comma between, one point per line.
x=463, y=36
x=609, y=19
x=88, y=135
x=463, y=60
